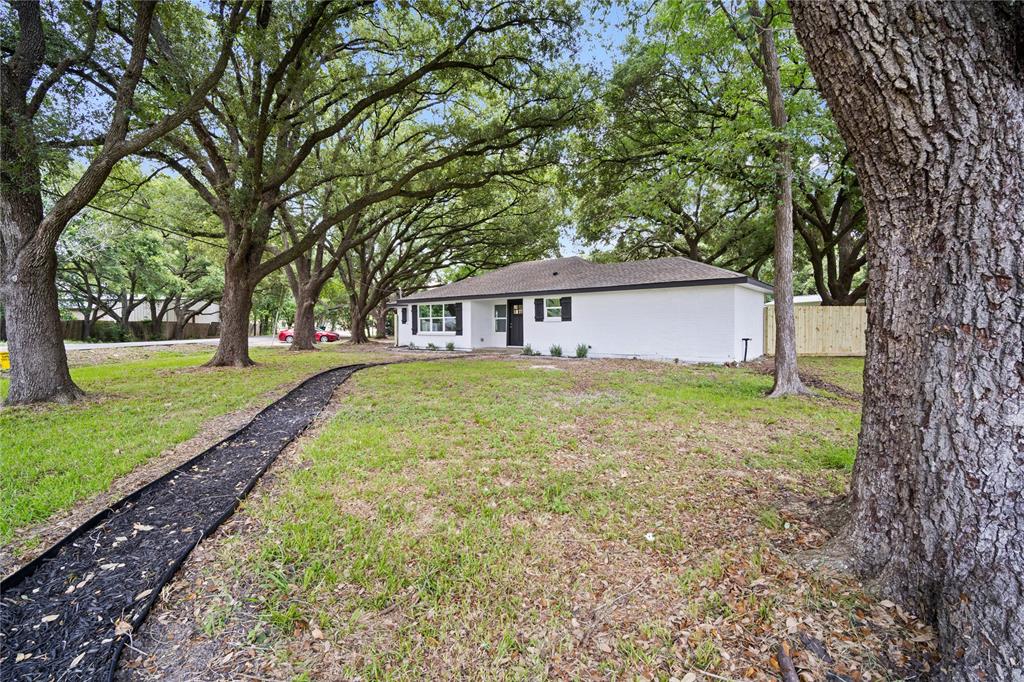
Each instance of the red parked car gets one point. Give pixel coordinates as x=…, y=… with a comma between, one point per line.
x=287, y=335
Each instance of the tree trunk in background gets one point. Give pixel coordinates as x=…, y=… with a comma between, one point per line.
x=380, y=322
x=358, y=315
x=235, y=306
x=787, y=378
x=180, y=320
x=306, y=287
x=305, y=324
x=930, y=99
x=88, y=322
x=359, y=329
x=39, y=365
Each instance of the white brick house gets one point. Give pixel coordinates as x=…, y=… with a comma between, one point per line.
x=667, y=309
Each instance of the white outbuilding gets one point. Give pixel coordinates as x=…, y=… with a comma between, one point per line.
x=662, y=309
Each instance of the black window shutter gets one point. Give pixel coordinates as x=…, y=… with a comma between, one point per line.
x=415, y=320
x=566, y=309
x=405, y=315
x=458, y=319
x=538, y=309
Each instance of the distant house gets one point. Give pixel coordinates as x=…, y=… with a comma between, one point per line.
x=210, y=312
x=808, y=299
x=668, y=309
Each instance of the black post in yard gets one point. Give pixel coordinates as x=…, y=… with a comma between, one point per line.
x=746, y=342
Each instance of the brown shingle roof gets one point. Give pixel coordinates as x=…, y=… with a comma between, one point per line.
x=566, y=275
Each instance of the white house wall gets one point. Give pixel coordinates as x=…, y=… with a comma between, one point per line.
x=484, y=335
x=749, y=312
x=691, y=324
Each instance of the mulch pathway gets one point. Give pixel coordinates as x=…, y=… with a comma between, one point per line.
x=69, y=614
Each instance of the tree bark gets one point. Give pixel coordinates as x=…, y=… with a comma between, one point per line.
x=89, y=322
x=39, y=365
x=305, y=324
x=235, y=306
x=930, y=99
x=358, y=314
x=305, y=290
x=787, y=378
x=178, y=330
x=380, y=322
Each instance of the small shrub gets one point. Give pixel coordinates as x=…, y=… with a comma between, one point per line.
x=449, y=346
x=431, y=346
x=411, y=345
x=582, y=350
x=556, y=351
x=527, y=350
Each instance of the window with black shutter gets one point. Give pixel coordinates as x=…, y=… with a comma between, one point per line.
x=458, y=319
x=415, y=319
x=538, y=309
x=405, y=315
x=566, y=308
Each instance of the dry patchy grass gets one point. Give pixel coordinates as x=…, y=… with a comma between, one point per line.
x=483, y=519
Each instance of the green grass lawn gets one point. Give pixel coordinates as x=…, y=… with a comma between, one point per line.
x=55, y=456
x=498, y=520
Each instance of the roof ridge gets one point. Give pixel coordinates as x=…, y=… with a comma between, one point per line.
x=576, y=273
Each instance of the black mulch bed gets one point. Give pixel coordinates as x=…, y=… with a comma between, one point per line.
x=68, y=614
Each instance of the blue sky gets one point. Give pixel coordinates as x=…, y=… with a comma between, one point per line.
x=604, y=35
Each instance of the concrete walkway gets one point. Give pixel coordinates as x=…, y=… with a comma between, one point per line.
x=253, y=342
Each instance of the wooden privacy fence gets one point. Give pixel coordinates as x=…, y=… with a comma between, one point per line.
x=822, y=330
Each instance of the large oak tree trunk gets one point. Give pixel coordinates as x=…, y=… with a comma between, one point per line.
x=930, y=99
x=235, y=306
x=39, y=365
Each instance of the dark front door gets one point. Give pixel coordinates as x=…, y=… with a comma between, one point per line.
x=515, y=322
